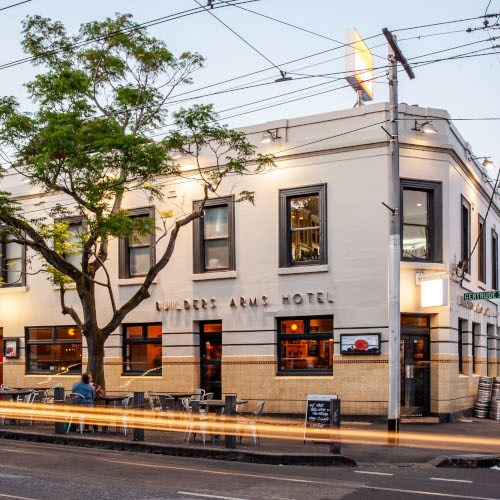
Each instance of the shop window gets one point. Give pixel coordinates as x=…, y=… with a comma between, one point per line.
x=465, y=233
x=421, y=221
x=303, y=237
x=213, y=236
x=137, y=254
x=142, y=348
x=494, y=260
x=481, y=250
x=12, y=262
x=54, y=349
x=305, y=345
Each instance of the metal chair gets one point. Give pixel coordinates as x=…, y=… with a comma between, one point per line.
x=198, y=394
x=251, y=423
x=125, y=403
x=208, y=395
x=195, y=421
x=73, y=399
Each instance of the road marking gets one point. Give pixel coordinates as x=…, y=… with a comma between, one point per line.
x=14, y=496
x=374, y=473
x=452, y=480
x=28, y=452
x=208, y=496
x=290, y=480
x=52, y=446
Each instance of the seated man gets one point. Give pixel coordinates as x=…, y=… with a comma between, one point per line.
x=86, y=390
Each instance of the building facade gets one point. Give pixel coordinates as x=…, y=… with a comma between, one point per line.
x=290, y=297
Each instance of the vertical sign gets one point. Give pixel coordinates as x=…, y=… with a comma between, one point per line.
x=358, y=64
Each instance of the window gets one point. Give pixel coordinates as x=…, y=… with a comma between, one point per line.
x=305, y=345
x=461, y=328
x=465, y=233
x=421, y=221
x=481, y=250
x=494, y=260
x=475, y=345
x=213, y=236
x=137, y=253
x=142, y=348
x=12, y=263
x=303, y=237
x=75, y=228
x=54, y=349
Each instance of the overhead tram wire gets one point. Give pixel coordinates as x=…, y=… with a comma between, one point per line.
x=444, y=22
x=241, y=38
x=146, y=24
x=14, y=5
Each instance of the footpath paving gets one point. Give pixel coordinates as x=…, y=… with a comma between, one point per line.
x=467, y=443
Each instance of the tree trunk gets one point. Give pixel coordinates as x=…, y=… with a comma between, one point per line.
x=95, y=364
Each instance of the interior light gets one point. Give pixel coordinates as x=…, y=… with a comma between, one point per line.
x=419, y=204
x=294, y=327
x=71, y=331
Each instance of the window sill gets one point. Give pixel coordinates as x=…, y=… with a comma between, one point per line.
x=321, y=268
x=140, y=374
x=481, y=285
x=410, y=264
x=299, y=375
x=218, y=275
x=14, y=289
x=134, y=281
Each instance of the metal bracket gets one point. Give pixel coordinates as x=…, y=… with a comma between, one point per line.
x=392, y=210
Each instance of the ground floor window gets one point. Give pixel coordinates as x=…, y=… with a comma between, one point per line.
x=305, y=345
x=54, y=349
x=142, y=348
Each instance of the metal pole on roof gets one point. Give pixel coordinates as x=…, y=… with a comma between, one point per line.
x=393, y=410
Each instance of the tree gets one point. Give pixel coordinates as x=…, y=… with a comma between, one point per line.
x=101, y=94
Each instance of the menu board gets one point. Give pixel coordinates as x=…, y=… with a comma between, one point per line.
x=317, y=416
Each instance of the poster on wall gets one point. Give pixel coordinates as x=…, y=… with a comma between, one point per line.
x=11, y=348
x=364, y=343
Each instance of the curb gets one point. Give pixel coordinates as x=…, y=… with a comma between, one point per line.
x=268, y=458
x=466, y=461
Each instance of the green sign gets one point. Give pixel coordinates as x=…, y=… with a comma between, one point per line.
x=494, y=294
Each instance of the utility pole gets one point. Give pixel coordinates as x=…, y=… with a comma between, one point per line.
x=393, y=415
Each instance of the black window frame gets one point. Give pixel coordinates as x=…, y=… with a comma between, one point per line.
x=460, y=345
x=494, y=260
x=307, y=335
x=465, y=232
x=52, y=341
x=157, y=372
x=285, y=233
x=124, y=245
x=199, y=235
x=4, y=264
x=476, y=327
x=434, y=219
x=481, y=249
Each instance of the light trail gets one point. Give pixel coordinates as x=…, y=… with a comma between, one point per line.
x=272, y=428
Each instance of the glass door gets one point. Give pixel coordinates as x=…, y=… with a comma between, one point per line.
x=415, y=375
x=211, y=358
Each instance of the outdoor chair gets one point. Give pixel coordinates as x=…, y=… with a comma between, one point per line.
x=196, y=422
x=198, y=394
x=208, y=395
x=28, y=399
x=251, y=423
x=73, y=399
x=125, y=404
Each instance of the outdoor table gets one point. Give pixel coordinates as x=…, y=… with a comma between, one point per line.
x=220, y=403
x=108, y=399
x=12, y=394
x=177, y=397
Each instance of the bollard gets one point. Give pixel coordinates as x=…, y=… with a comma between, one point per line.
x=58, y=400
x=335, y=426
x=138, y=434
x=230, y=410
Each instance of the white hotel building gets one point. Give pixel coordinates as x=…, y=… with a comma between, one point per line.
x=290, y=296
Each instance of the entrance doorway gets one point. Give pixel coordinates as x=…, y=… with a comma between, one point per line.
x=211, y=357
x=1, y=355
x=415, y=365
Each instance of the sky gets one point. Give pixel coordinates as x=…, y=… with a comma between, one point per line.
x=466, y=87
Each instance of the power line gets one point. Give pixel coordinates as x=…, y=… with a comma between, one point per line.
x=14, y=5
x=146, y=24
x=445, y=22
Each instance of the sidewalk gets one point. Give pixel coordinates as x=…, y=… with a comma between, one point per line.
x=431, y=444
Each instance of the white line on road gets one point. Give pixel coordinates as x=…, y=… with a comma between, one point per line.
x=452, y=480
x=208, y=496
x=14, y=496
x=289, y=479
x=374, y=473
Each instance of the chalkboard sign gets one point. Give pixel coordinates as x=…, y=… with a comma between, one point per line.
x=317, y=416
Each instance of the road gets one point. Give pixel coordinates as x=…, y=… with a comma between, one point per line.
x=39, y=471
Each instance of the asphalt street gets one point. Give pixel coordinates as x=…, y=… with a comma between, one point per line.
x=39, y=471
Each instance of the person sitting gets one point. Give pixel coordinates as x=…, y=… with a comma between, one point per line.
x=86, y=390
